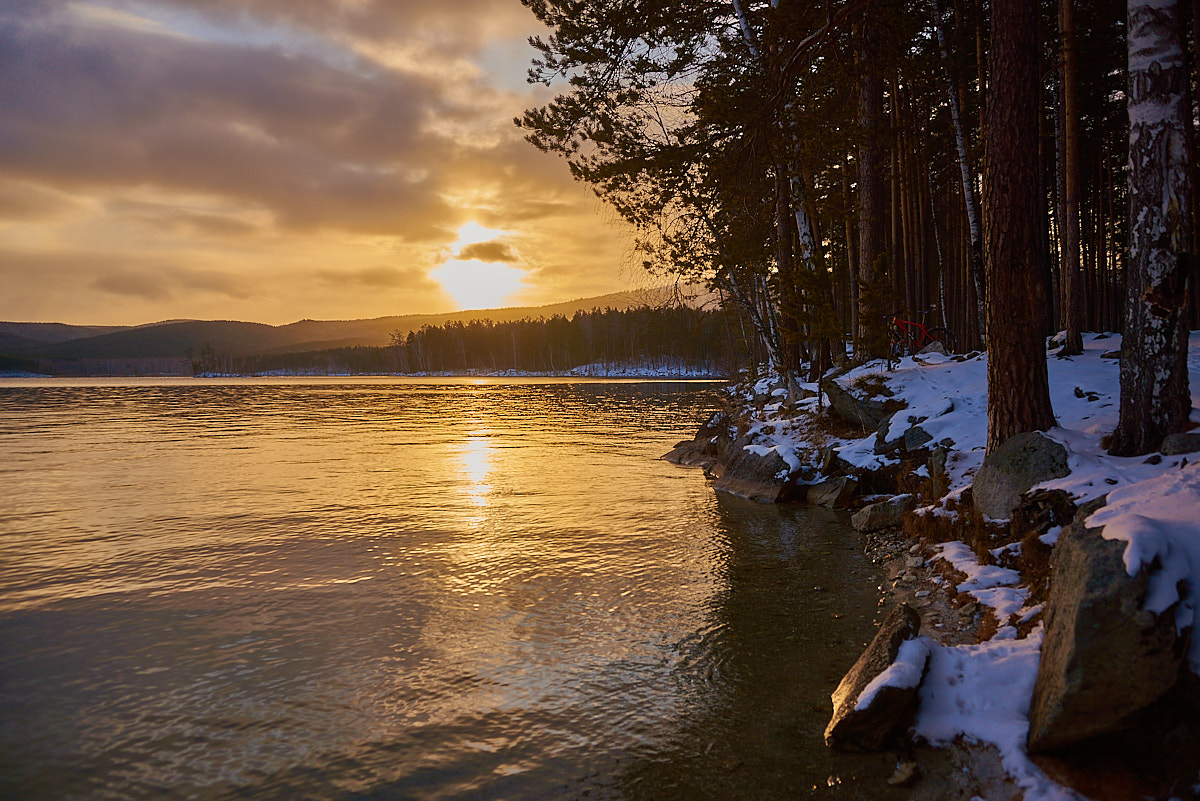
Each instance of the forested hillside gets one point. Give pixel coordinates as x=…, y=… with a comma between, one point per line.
x=677, y=341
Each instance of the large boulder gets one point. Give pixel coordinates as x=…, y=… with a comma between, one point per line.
x=863, y=412
x=1104, y=657
x=885, y=514
x=835, y=493
x=1014, y=467
x=753, y=472
x=875, y=697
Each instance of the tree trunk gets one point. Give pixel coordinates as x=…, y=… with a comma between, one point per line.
x=1017, y=265
x=851, y=245
x=1154, y=381
x=871, y=194
x=975, y=265
x=1072, y=285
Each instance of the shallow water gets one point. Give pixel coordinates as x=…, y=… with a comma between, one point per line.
x=349, y=588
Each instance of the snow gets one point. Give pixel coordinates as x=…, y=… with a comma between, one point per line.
x=1159, y=519
x=904, y=673
x=991, y=586
x=982, y=692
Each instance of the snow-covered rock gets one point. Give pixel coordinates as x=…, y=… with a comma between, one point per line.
x=879, y=690
x=1104, y=656
x=752, y=471
x=868, y=413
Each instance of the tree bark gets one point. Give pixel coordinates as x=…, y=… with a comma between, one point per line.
x=851, y=244
x=971, y=204
x=1072, y=284
x=872, y=200
x=1017, y=264
x=1154, y=383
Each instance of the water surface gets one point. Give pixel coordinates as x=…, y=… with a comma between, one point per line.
x=286, y=589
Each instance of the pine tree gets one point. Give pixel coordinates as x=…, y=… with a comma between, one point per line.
x=1017, y=264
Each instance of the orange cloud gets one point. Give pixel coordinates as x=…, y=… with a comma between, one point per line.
x=145, y=145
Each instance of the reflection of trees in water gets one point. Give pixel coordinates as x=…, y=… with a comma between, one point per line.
x=795, y=612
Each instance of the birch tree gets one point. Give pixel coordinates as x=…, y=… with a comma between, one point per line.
x=1154, y=383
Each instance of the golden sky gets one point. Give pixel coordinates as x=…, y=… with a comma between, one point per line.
x=272, y=160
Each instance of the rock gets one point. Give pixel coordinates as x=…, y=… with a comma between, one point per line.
x=885, y=514
x=906, y=774
x=1175, y=444
x=914, y=561
x=1015, y=466
x=861, y=412
x=829, y=460
x=916, y=438
x=937, y=463
x=748, y=474
x=885, y=446
x=1111, y=354
x=835, y=493
x=935, y=347
x=1104, y=657
x=691, y=453
x=706, y=448
x=868, y=729
x=1057, y=341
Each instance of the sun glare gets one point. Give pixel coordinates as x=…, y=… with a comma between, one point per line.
x=478, y=284
x=474, y=283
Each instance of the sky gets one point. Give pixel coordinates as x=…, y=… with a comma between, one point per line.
x=274, y=160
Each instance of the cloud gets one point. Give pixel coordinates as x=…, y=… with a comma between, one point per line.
x=321, y=146
x=132, y=284
x=23, y=201
x=493, y=251
x=193, y=158
x=181, y=221
x=413, y=279
x=452, y=25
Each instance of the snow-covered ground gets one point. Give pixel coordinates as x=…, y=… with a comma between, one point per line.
x=982, y=692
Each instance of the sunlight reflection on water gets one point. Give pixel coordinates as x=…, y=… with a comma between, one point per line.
x=406, y=589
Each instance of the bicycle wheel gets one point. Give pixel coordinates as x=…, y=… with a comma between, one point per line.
x=944, y=336
x=899, y=343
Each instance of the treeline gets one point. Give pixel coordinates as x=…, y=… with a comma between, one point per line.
x=679, y=339
x=827, y=164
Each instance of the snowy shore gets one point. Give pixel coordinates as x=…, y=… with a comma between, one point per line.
x=982, y=607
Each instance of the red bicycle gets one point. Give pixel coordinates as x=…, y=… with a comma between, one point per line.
x=908, y=337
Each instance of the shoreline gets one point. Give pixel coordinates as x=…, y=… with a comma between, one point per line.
x=902, y=450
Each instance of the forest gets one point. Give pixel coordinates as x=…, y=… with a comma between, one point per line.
x=677, y=340
x=968, y=164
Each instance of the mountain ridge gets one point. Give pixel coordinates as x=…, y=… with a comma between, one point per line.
x=183, y=338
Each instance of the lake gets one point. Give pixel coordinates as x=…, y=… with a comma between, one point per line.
x=408, y=589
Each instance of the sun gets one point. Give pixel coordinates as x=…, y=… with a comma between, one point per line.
x=479, y=283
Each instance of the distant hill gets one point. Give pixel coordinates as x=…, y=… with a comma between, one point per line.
x=181, y=338
x=23, y=335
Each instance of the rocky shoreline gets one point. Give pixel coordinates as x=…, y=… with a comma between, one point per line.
x=994, y=572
